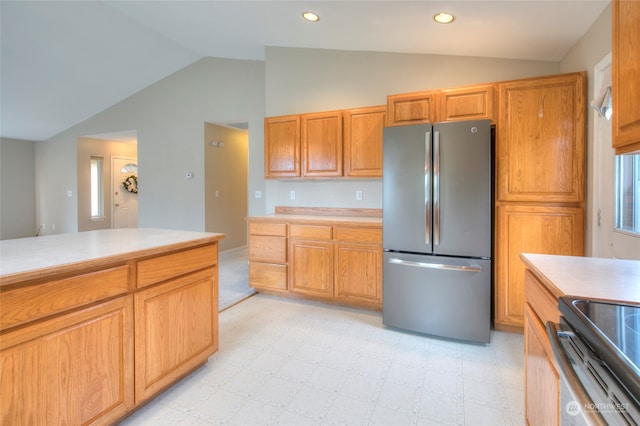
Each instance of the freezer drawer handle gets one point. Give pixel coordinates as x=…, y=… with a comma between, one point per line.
x=463, y=268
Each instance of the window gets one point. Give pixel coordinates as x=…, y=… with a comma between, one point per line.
x=129, y=168
x=628, y=193
x=97, y=187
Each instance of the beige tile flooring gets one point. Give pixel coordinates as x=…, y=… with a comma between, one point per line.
x=289, y=362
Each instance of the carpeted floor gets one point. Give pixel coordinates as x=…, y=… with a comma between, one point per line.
x=233, y=277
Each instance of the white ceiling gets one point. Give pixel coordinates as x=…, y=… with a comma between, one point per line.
x=64, y=61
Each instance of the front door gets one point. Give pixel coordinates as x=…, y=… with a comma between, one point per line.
x=124, y=211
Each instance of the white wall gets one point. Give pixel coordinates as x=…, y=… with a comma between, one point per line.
x=309, y=80
x=17, y=189
x=169, y=118
x=593, y=46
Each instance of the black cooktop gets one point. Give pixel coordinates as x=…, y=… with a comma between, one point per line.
x=612, y=329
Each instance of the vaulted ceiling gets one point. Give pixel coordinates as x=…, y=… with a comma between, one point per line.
x=64, y=61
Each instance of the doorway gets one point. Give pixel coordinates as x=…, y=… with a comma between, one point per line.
x=608, y=240
x=226, y=149
x=96, y=187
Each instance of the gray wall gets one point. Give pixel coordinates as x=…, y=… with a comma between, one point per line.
x=309, y=80
x=169, y=118
x=17, y=189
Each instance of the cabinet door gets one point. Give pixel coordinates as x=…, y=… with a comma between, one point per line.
x=322, y=144
x=530, y=229
x=542, y=405
x=626, y=75
x=541, y=139
x=411, y=108
x=467, y=103
x=311, y=267
x=176, y=330
x=358, y=275
x=363, y=141
x=74, y=369
x=282, y=146
x=268, y=276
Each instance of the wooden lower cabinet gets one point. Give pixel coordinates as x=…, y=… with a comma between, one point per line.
x=358, y=273
x=268, y=255
x=311, y=267
x=74, y=369
x=176, y=330
x=542, y=377
x=358, y=265
x=530, y=229
x=88, y=344
x=336, y=262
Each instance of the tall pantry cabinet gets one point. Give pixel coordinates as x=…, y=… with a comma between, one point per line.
x=540, y=190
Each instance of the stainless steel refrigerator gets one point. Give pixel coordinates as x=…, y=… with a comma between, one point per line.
x=437, y=229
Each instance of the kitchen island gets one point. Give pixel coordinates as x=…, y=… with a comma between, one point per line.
x=94, y=324
x=548, y=277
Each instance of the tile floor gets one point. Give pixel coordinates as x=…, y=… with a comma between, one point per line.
x=289, y=362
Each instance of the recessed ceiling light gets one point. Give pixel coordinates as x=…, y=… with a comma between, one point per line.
x=310, y=16
x=443, y=18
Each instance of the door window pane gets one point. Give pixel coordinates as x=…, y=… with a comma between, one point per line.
x=628, y=192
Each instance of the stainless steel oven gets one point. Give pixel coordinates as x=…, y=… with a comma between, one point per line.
x=597, y=348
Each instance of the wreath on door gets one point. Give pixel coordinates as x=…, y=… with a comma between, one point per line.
x=131, y=184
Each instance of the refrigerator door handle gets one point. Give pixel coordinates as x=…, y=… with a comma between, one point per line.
x=427, y=187
x=436, y=188
x=462, y=268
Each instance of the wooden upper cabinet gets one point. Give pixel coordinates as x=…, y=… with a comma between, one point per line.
x=321, y=140
x=282, y=146
x=467, y=103
x=411, y=108
x=363, y=141
x=541, y=139
x=626, y=75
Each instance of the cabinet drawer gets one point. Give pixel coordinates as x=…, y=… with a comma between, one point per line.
x=543, y=303
x=160, y=268
x=358, y=235
x=268, y=276
x=267, y=249
x=310, y=232
x=268, y=228
x=25, y=304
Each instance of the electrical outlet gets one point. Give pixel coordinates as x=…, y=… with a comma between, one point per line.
x=258, y=194
x=359, y=195
x=292, y=195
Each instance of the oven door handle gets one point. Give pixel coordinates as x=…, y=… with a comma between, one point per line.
x=592, y=417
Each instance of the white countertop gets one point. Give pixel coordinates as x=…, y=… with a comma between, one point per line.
x=27, y=255
x=589, y=277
